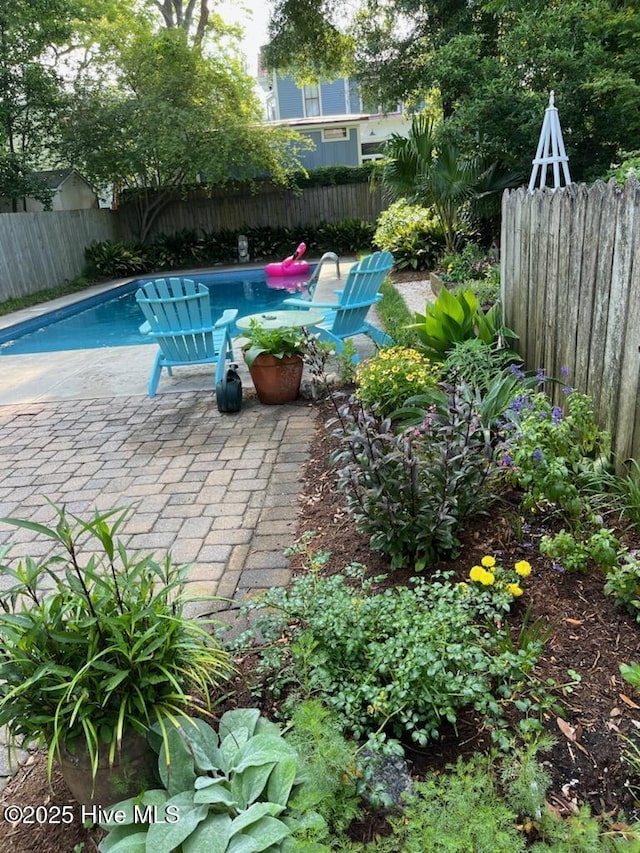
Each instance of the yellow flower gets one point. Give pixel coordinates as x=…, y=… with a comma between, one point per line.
x=514, y=589
x=523, y=568
x=488, y=562
x=477, y=573
x=482, y=576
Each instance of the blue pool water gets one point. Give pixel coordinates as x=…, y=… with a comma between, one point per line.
x=112, y=319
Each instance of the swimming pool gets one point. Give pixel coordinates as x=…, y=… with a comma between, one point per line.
x=112, y=318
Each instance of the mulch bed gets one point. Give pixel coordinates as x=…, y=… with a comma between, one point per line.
x=590, y=634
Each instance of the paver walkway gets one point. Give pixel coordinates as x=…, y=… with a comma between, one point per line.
x=218, y=491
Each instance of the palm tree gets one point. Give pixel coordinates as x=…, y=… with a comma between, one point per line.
x=432, y=172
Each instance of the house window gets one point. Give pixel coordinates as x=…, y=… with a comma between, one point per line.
x=334, y=134
x=311, y=95
x=372, y=150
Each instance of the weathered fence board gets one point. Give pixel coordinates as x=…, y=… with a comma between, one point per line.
x=42, y=250
x=274, y=207
x=571, y=290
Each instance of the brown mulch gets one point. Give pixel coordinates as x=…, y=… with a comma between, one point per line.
x=589, y=634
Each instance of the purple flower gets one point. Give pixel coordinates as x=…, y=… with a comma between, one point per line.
x=568, y=389
x=507, y=461
x=564, y=371
x=517, y=371
x=518, y=403
x=557, y=567
x=537, y=456
x=556, y=414
x=540, y=374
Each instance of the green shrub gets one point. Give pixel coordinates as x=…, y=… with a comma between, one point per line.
x=347, y=237
x=629, y=167
x=220, y=247
x=411, y=233
x=113, y=260
x=487, y=290
x=546, y=451
x=181, y=249
x=188, y=248
x=573, y=554
x=467, y=266
x=389, y=378
x=411, y=493
x=399, y=662
x=327, y=176
x=623, y=582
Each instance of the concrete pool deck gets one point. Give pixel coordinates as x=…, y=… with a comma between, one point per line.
x=220, y=491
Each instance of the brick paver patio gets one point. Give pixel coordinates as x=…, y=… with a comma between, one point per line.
x=218, y=491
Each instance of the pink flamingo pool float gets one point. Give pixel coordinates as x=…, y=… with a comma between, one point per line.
x=290, y=265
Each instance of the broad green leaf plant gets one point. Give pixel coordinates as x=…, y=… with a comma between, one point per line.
x=229, y=791
x=280, y=343
x=454, y=318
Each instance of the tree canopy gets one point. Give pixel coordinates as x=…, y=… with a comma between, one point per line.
x=488, y=66
x=133, y=93
x=30, y=90
x=163, y=114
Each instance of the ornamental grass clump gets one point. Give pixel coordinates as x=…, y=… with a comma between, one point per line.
x=388, y=379
x=94, y=641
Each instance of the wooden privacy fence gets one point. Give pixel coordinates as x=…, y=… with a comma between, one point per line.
x=570, y=271
x=41, y=250
x=274, y=207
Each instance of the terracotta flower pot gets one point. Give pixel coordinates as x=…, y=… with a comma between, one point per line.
x=277, y=380
x=133, y=771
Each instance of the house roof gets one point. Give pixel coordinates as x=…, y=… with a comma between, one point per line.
x=56, y=177
x=320, y=121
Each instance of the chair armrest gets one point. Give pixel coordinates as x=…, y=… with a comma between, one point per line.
x=302, y=303
x=227, y=318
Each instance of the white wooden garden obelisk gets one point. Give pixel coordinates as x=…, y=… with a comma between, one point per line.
x=550, y=152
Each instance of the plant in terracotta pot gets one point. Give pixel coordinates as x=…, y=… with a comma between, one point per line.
x=95, y=649
x=275, y=361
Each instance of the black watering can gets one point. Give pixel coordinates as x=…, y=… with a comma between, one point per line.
x=229, y=391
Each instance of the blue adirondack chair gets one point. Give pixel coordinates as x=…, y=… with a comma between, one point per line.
x=347, y=317
x=178, y=318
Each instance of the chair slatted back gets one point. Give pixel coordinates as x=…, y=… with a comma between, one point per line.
x=361, y=289
x=178, y=311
